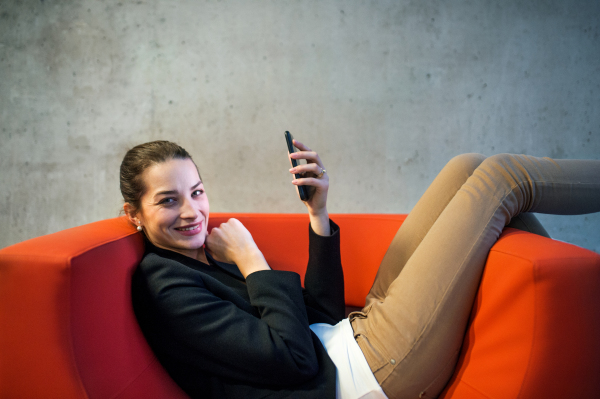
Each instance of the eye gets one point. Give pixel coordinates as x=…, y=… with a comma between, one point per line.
x=197, y=193
x=166, y=201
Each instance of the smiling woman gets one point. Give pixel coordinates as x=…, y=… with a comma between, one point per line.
x=174, y=209
x=225, y=325
x=219, y=326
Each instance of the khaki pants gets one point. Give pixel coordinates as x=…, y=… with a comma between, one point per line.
x=414, y=320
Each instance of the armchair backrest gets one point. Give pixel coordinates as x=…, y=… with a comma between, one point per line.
x=67, y=327
x=283, y=239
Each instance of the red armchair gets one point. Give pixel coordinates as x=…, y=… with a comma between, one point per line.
x=67, y=328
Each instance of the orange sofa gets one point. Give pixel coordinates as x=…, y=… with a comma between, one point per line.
x=67, y=328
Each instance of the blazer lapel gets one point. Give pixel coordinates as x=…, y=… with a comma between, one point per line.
x=228, y=268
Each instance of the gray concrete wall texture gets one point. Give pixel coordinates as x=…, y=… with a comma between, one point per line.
x=386, y=91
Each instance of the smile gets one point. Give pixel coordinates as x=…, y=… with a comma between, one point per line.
x=190, y=230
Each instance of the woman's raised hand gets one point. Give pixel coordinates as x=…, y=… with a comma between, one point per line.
x=231, y=242
x=317, y=180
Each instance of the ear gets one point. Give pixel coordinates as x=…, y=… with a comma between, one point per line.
x=131, y=214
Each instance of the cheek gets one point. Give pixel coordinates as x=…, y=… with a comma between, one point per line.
x=204, y=206
x=161, y=220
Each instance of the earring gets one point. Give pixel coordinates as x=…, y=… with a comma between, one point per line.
x=139, y=228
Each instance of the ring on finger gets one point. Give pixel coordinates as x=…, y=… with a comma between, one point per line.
x=323, y=171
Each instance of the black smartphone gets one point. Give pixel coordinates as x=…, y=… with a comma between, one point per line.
x=302, y=190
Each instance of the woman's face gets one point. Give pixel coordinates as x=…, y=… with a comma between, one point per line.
x=174, y=209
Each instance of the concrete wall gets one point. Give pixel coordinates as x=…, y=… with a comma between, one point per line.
x=386, y=91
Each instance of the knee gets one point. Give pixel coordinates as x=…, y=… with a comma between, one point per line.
x=503, y=169
x=501, y=161
x=466, y=162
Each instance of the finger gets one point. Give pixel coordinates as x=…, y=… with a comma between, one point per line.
x=304, y=154
x=300, y=146
x=209, y=239
x=231, y=222
x=311, y=181
x=310, y=156
x=314, y=168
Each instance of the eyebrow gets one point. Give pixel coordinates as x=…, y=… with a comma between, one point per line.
x=171, y=192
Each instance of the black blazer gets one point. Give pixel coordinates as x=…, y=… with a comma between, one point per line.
x=221, y=336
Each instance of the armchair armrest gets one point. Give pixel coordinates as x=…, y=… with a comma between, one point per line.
x=535, y=323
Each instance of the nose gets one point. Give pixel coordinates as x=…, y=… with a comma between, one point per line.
x=187, y=210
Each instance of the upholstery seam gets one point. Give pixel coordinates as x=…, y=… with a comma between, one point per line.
x=133, y=379
x=98, y=244
x=70, y=324
x=535, y=322
x=530, y=260
x=473, y=388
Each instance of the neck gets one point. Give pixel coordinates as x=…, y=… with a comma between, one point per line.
x=197, y=254
x=201, y=256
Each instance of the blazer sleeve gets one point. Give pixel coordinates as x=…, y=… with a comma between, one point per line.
x=219, y=336
x=324, y=278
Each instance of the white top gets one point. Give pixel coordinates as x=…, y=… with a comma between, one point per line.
x=354, y=379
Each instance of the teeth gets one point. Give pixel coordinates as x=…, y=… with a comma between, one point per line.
x=190, y=228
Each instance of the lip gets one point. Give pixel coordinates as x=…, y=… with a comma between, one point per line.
x=196, y=228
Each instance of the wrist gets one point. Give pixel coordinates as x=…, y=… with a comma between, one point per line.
x=251, y=262
x=318, y=213
x=246, y=255
x=320, y=223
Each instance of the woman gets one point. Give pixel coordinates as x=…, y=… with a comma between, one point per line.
x=224, y=325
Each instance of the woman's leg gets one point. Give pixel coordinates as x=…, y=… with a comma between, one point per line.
x=425, y=213
x=412, y=336
x=528, y=222
x=420, y=219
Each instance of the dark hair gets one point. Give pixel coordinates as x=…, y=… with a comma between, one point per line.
x=140, y=158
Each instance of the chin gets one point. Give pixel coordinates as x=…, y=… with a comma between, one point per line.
x=195, y=244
